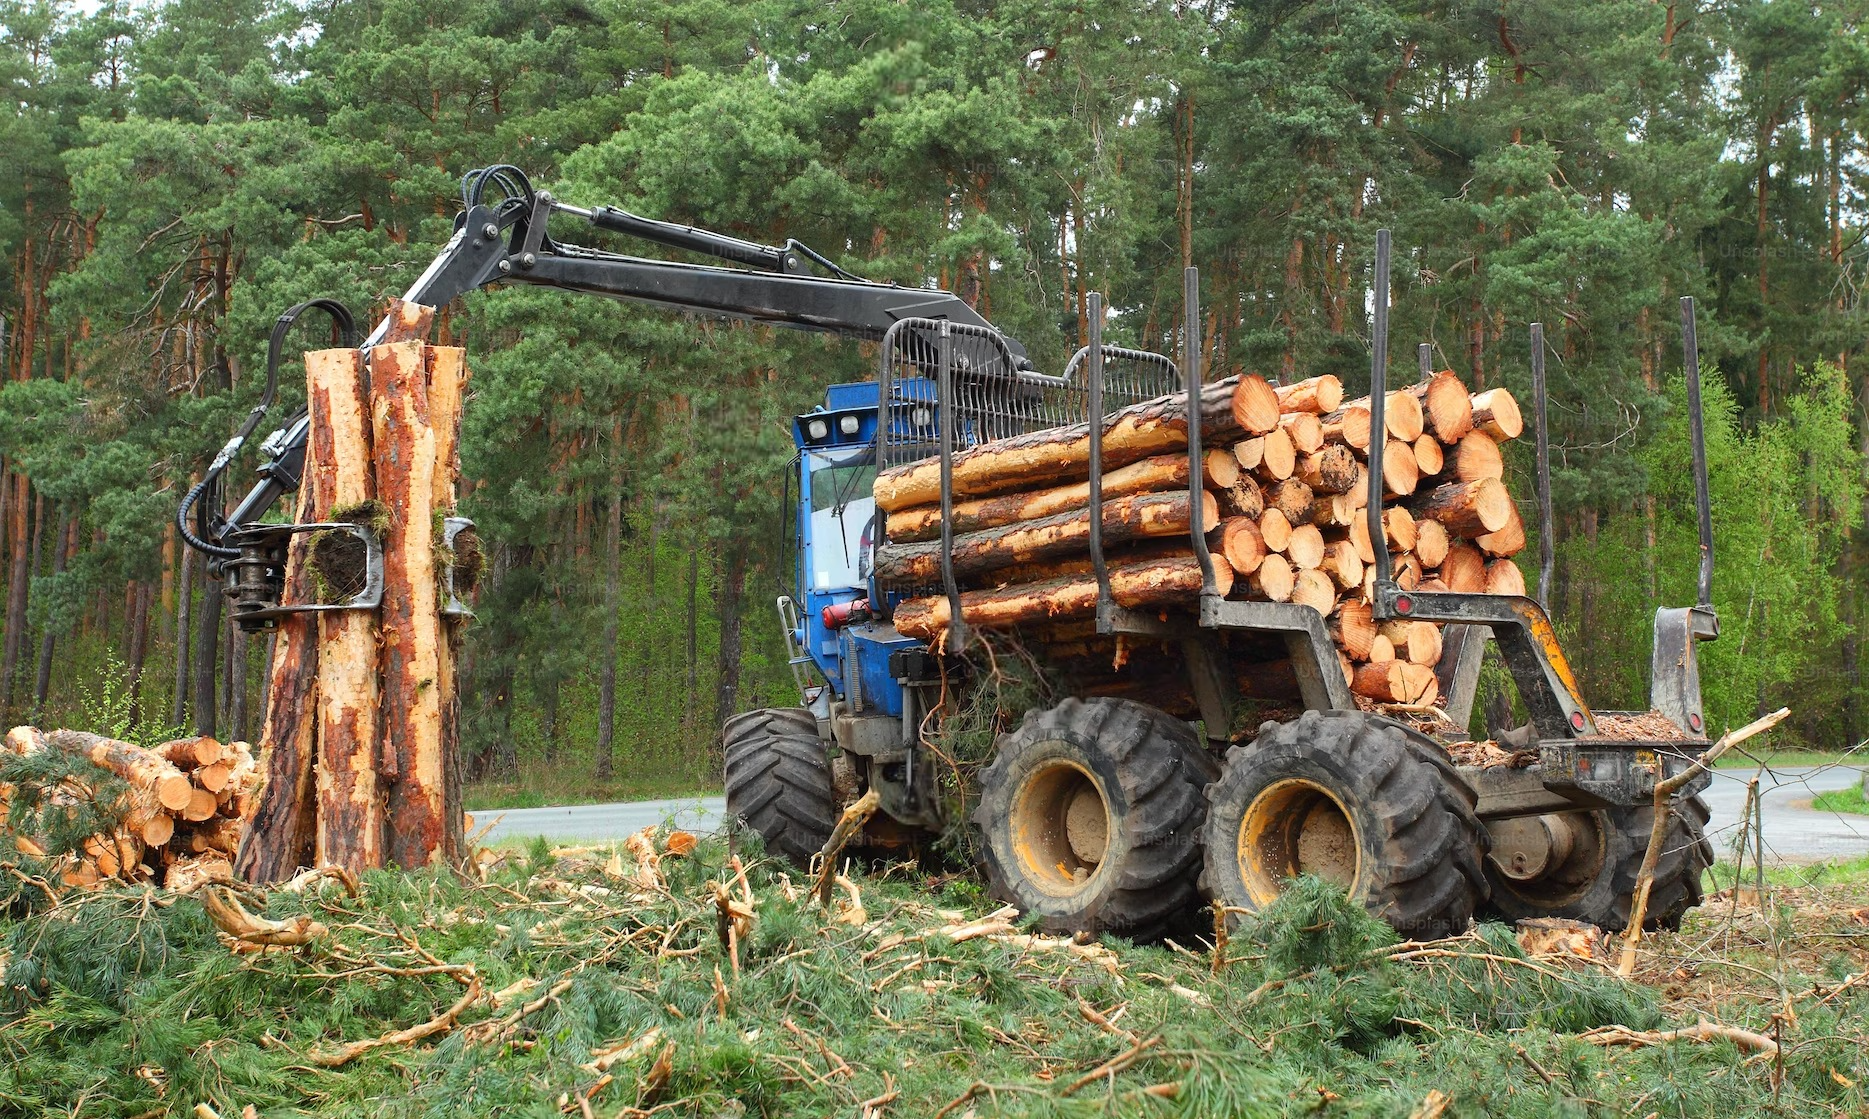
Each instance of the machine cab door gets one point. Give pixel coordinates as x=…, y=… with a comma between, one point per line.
x=839, y=534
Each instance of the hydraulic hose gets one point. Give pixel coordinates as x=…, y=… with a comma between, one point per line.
x=347, y=336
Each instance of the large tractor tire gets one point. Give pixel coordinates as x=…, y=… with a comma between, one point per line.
x=1090, y=818
x=1595, y=880
x=1354, y=799
x=778, y=780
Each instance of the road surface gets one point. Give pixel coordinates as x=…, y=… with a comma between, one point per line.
x=1793, y=833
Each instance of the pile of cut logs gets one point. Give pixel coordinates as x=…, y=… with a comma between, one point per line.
x=180, y=822
x=1286, y=489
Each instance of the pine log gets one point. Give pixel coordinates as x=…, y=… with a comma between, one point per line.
x=1219, y=469
x=1060, y=455
x=24, y=741
x=219, y=834
x=1382, y=648
x=1313, y=588
x=1400, y=475
x=1304, y=430
x=1405, y=569
x=1136, y=517
x=1431, y=542
x=1401, y=415
x=447, y=386
x=1278, y=457
x=1249, y=453
x=201, y=805
x=1429, y=457
x=1133, y=585
x=1398, y=529
x=1274, y=529
x=1158, y=474
x=418, y=818
x=190, y=753
x=1508, y=541
x=1353, y=628
x=1337, y=510
x=1243, y=499
x=214, y=777
x=1255, y=405
x=1329, y=470
x=1464, y=569
x=1504, y=577
x=408, y=322
x=284, y=814
x=1477, y=456
x=349, y=800
x=1394, y=681
x=1415, y=642
x=1305, y=549
x=1292, y=498
x=1342, y=564
x=1315, y=395
x=1497, y=414
x=1446, y=408
x=1358, y=535
x=1274, y=579
x=1242, y=544
x=1468, y=508
x=154, y=828
x=1348, y=425
x=1434, y=584
x=139, y=768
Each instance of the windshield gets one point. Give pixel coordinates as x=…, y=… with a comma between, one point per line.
x=842, y=504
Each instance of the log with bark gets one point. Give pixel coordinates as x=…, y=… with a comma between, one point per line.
x=1497, y=414
x=1135, y=517
x=1157, y=474
x=350, y=822
x=1468, y=508
x=1446, y=406
x=1061, y=455
x=1255, y=405
x=1132, y=584
x=1313, y=395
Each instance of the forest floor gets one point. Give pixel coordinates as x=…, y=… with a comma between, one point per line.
x=591, y=981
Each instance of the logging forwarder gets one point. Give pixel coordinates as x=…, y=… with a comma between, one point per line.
x=1147, y=790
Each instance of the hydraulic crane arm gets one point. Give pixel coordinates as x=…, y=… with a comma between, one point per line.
x=507, y=242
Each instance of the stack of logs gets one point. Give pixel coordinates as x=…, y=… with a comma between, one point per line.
x=1285, y=487
x=180, y=822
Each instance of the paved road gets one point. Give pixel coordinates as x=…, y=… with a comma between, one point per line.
x=1793, y=833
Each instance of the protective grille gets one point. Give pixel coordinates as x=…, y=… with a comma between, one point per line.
x=989, y=397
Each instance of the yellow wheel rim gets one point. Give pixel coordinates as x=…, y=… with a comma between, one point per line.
x=1297, y=827
x=1061, y=825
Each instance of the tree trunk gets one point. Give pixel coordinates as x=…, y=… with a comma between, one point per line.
x=409, y=737
x=349, y=803
x=447, y=385
x=613, y=585
x=138, y=653
x=42, y=679
x=727, y=606
x=1152, y=475
x=17, y=583
x=184, y=596
x=207, y=653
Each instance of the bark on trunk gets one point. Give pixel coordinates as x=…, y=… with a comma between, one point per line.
x=42, y=678
x=409, y=737
x=1152, y=475
x=350, y=822
x=447, y=385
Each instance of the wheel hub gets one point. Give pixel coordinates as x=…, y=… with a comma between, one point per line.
x=1296, y=827
x=1061, y=826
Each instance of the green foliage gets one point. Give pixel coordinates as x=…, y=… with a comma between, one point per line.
x=122, y=1002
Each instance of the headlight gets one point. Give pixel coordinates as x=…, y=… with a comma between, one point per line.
x=921, y=417
x=848, y=425
x=816, y=430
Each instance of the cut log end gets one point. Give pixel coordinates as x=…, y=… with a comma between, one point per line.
x=1255, y=405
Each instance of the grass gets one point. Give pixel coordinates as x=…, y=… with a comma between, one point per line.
x=1847, y=799
x=588, y=986
x=547, y=786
